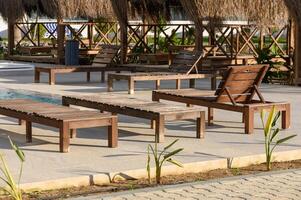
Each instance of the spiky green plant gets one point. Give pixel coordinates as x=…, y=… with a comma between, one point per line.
x=160, y=158
x=11, y=186
x=271, y=132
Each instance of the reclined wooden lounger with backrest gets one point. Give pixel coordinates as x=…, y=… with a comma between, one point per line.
x=181, y=68
x=66, y=119
x=101, y=63
x=235, y=93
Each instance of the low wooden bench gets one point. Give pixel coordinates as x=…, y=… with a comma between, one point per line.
x=157, y=112
x=155, y=76
x=62, y=117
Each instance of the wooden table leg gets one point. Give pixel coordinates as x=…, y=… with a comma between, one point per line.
x=37, y=76
x=88, y=76
x=64, y=137
x=51, y=77
x=249, y=120
x=200, y=133
x=159, y=129
x=286, y=116
x=110, y=84
x=178, y=84
x=157, y=84
x=28, y=131
x=210, y=116
x=131, y=86
x=113, y=133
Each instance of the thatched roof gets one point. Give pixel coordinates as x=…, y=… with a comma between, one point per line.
x=16, y=9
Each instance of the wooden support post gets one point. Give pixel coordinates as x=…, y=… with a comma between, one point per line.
x=110, y=84
x=11, y=36
x=153, y=124
x=113, y=133
x=60, y=41
x=297, y=61
x=36, y=76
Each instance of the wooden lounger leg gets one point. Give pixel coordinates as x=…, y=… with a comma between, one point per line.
x=178, y=84
x=37, y=76
x=213, y=83
x=131, y=86
x=103, y=76
x=113, y=133
x=157, y=84
x=159, y=129
x=21, y=122
x=191, y=83
x=201, y=126
x=110, y=84
x=88, y=76
x=64, y=138
x=28, y=131
x=286, y=115
x=51, y=77
x=210, y=116
x=249, y=120
x=73, y=133
x=153, y=124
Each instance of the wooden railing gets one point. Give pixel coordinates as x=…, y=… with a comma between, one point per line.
x=226, y=40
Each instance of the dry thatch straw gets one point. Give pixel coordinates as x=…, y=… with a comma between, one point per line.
x=15, y=9
x=12, y=9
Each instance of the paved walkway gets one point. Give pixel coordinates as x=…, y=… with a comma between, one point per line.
x=284, y=185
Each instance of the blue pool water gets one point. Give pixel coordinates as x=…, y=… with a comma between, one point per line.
x=16, y=94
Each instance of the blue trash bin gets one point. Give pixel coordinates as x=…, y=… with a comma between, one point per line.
x=72, y=52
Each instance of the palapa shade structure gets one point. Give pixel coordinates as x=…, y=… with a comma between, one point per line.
x=262, y=12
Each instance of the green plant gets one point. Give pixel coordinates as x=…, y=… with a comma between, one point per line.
x=160, y=159
x=12, y=187
x=271, y=132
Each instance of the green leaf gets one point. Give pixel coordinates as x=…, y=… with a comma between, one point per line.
x=172, y=153
x=274, y=134
x=171, y=144
x=268, y=125
x=18, y=151
x=276, y=119
x=175, y=162
x=148, y=164
x=285, y=139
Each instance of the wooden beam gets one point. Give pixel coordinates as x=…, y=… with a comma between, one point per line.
x=11, y=36
x=60, y=40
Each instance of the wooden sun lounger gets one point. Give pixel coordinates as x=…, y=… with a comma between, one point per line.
x=157, y=112
x=235, y=93
x=180, y=69
x=66, y=119
x=101, y=63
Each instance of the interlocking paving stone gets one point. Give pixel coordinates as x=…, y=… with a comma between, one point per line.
x=282, y=185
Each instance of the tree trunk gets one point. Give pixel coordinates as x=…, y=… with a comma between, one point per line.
x=297, y=56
